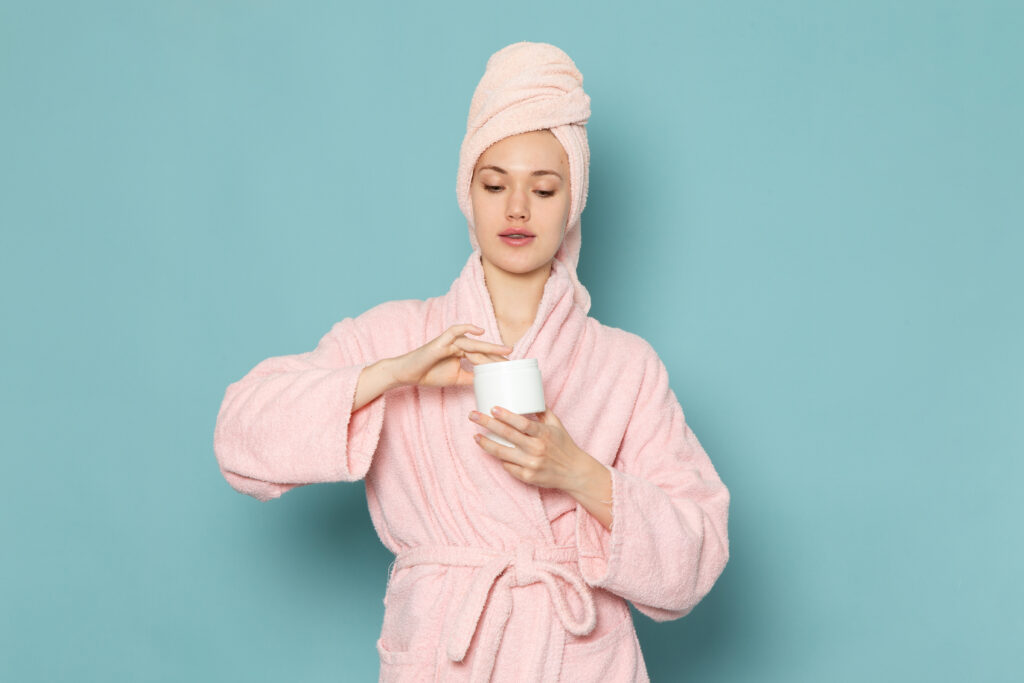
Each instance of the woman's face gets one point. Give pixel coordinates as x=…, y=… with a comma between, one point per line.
x=521, y=185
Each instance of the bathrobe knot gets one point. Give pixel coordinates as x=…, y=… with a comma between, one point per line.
x=487, y=602
x=526, y=571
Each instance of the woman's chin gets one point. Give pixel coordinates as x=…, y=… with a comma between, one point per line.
x=519, y=264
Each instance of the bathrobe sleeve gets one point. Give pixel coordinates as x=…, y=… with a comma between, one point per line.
x=669, y=542
x=289, y=422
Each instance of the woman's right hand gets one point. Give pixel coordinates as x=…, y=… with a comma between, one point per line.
x=437, y=363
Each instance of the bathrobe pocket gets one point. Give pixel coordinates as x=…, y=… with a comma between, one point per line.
x=612, y=656
x=414, y=608
x=403, y=667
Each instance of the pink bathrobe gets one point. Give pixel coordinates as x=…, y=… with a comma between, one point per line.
x=495, y=579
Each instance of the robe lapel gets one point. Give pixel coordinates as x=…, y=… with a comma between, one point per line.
x=554, y=339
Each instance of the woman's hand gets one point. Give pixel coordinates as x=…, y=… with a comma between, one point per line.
x=437, y=363
x=545, y=454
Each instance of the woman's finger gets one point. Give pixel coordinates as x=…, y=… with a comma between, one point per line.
x=480, y=345
x=486, y=347
x=491, y=358
x=520, y=423
x=483, y=358
x=464, y=378
x=478, y=358
x=514, y=456
x=456, y=331
x=522, y=441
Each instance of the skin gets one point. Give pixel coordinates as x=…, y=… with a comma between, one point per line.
x=517, y=199
x=545, y=454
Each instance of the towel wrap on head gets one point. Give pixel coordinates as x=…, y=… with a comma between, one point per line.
x=526, y=87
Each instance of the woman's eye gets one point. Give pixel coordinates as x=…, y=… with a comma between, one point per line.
x=542, y=193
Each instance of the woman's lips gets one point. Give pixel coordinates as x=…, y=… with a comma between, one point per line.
x=516, y=241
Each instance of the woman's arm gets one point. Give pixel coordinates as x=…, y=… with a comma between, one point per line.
x=595, y=492
x=668, y=541
x=302, y=419
x=374, y=380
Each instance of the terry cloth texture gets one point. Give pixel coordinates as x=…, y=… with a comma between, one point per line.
x=495, y=576
x=495, y=579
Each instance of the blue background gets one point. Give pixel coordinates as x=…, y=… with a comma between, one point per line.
x=811, y=210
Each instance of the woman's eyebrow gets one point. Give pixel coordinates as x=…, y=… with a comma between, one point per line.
x=541, y=172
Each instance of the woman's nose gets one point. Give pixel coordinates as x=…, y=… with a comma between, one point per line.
x=517, y=207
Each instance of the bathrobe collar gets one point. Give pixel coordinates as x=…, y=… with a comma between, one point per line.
x=560, y=335
x=558, y=317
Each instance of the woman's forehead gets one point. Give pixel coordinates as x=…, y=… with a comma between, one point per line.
x=525, y=152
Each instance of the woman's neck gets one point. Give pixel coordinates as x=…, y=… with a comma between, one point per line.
x=515, y=298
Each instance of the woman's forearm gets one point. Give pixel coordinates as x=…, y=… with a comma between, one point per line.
x=374, y=380
x=595, y=493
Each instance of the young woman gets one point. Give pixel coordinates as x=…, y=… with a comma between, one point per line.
x=512, y=564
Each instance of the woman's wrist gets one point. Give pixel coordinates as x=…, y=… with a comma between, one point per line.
x=387, y=367
x=374, y=380
x=594, y=491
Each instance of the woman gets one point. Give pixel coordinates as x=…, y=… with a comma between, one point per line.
x=513, y=564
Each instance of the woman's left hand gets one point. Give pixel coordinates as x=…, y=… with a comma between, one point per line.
x=545, y=456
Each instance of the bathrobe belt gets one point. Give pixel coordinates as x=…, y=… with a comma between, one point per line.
x=502, y=570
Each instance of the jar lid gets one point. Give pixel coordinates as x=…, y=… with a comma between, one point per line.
x=528, y=364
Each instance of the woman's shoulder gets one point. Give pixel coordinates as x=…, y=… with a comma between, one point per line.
x=385, y=329
x=402, y=311
x=623, y=340
x=637, y=365
x=624, y=355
